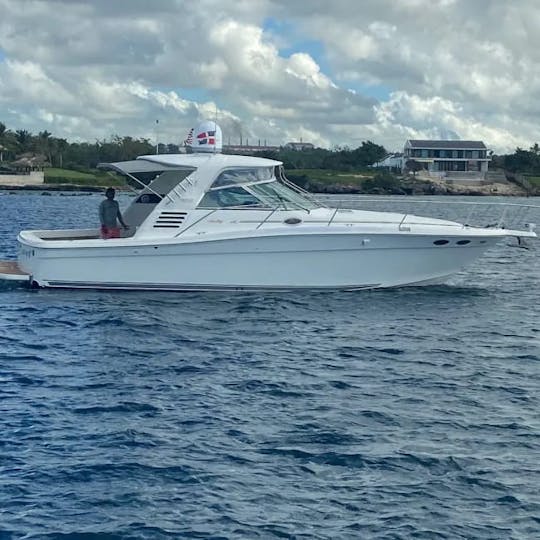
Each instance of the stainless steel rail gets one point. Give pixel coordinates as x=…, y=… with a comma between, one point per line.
x=467, y=213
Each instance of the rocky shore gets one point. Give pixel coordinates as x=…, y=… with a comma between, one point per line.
x=415, y=186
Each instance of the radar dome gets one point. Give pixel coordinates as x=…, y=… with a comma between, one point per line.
x=207, y=137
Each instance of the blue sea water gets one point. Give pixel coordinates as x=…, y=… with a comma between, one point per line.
x=391, y=414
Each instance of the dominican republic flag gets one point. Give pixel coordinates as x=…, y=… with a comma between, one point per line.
x=207, y=137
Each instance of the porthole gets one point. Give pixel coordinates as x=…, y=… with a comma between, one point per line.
x=463, y=242
x=293, y=221
x=440, y=242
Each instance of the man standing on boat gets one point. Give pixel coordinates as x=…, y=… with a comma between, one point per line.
x=109, y=213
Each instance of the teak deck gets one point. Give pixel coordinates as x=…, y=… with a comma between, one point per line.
x=11, y=270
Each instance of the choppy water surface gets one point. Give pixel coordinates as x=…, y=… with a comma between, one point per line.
x=410, y=413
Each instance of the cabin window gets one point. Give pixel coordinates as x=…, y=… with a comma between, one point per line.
x=149, y=198
x=243, y=176
x=228, y=198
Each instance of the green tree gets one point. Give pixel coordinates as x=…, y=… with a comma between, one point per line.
x=2, y=147
x=369, y=153
x=413, y=166
x=43, y=144
x=24, y=139
x=8, y=143
x=60, y=146
x=523, y=161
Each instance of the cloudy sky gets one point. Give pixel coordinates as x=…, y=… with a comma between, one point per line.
x=332, y=73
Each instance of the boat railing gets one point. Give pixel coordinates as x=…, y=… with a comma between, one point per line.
x=307, y=194
x=468, y=213
x=267, y=218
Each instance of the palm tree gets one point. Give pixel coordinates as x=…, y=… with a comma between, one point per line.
x=2, y=147
x=44, y=144
x=8, y=143
x=24, y=138
x=61, y=145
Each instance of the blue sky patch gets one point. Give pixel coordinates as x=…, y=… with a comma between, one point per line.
x=290, y=40
x=380, y=92
x=194, y=94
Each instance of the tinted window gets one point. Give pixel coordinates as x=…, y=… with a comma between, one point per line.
x=147, y=198
x=243, y=176
x=229, y=197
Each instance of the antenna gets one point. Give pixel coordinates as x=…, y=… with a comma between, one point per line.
x=157, y=139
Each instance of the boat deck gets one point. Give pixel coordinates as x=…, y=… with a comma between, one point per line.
x=81, y=237
x=9, y=270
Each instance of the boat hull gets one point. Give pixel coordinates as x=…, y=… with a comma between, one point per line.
x=317, y=261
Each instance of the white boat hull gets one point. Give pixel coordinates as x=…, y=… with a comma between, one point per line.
x=223, y=222
x=264, y=262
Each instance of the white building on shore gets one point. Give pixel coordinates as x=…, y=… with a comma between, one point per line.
x=393, y=162
x=448, y=158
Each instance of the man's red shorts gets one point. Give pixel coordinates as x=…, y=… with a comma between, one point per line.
x=110, y=232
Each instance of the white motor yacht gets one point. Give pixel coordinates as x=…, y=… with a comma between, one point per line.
x=209, y=221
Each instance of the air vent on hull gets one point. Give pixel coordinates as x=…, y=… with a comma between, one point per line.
x=170, y=220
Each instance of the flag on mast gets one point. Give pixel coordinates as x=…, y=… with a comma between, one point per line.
x=188, y=141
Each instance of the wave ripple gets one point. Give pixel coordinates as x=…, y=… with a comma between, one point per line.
x=395, y=414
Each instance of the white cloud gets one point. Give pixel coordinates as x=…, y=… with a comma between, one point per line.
x=411, y=116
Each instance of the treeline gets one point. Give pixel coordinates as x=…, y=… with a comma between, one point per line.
x=340, y=159
x=521, y=161
x=59, y=152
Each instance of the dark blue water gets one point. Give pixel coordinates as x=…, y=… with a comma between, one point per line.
x=392, y=414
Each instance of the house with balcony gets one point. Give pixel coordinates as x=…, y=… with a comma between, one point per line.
x=448, y=159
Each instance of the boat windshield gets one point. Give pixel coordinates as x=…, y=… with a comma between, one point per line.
x=232, y=177
x=232, y=197
x=278, y=195
x=254, y=188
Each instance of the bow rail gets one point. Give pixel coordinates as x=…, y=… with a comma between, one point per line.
x=470, y=213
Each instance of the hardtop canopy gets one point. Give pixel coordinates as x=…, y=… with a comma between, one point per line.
x=159, y=163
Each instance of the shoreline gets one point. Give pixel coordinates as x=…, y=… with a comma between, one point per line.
x=425, y=189
x=409, y=188
x=59, y=187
